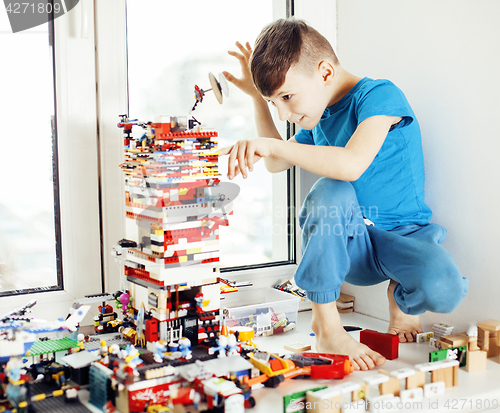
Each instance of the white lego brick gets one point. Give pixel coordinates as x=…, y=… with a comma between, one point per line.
x=436, y=365
x=384, y=403
x=181, y=225
x=412, y=395
x=423, y=337
x=403, y=373
x=376, y=379
x=174, y=195
x=206, y=255
x=193, y=245
x=434, y=389
x=357, y=406
x=347, y=387
x=327, y=393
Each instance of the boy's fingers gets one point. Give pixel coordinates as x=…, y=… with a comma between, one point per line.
x=245, y=52
x=225, y=150
x=249, y=48
x=241, y=162
x=231, y=163
x=249, y=160
x=231, y=79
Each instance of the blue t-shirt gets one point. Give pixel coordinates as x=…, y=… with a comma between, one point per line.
x=391, y=191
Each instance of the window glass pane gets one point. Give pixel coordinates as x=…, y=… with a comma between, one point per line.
x=172, y=46
x=27, y=230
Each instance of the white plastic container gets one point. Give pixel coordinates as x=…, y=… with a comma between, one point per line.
x=267, y=311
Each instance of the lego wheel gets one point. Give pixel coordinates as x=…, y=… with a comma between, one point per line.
x=274, y=381
x=249, y=403
x=216, y=87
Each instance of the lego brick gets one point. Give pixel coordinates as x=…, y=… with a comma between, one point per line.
x=424, y=337
x=453, y=353
x=412, y=395
x=434, y=389
x=476, y=361
x=385, y=344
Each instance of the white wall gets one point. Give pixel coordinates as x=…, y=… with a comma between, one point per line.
x=445, y=56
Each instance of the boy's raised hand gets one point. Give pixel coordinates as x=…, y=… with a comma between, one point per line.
x=243, y=154
x=245, y=83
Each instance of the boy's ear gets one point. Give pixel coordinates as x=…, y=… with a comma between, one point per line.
x=327, y=71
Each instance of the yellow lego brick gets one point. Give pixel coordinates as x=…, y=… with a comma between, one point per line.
x=159, y=232
x=193, y=251
x=183, y=258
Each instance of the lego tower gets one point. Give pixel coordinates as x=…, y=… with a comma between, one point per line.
x=174, y=208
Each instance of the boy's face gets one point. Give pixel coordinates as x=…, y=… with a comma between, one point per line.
x=302, y=99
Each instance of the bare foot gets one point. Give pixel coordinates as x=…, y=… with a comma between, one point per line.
x=404, y=325
x=331, y=338
x=362, y=357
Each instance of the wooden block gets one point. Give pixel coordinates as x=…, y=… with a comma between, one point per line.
x=393, y=386
x=456, y=340
x=491, y=325
x=416, y=380
x=345, y=310
x=441, y=345
x=476, y=361
x=297, y=347
x=326, y=400
x=483, y=339
x=473, y=344
x=449, y=375
x=345, y=298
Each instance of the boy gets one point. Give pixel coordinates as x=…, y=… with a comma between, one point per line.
x=361, y=135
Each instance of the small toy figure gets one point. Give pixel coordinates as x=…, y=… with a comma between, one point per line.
x=123, y=302
x=221, y=346
x=185, y=347
x=232, y=348
x=159, y=349
x=200, y=302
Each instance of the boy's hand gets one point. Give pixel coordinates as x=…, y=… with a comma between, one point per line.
x=245, y=84
x=246, y=153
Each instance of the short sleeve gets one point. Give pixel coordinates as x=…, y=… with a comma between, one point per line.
x=384, y=98
x=304, y=136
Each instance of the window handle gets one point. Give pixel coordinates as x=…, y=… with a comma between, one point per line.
x=85, y=15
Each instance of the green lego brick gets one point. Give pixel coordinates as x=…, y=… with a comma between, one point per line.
x=442, y=354
x=296, y=402
x=51, y=346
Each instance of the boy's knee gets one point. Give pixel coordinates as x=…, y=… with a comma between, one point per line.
x=327, y=195
x=444, y=288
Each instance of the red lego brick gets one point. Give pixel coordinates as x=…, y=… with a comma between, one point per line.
x=151, y=330
x=383, y=343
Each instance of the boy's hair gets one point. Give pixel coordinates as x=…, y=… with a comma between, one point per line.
x=281, y=45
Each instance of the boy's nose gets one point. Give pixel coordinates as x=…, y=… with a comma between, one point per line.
x=283, y=113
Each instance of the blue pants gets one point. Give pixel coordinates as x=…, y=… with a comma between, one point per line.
x=338, y=246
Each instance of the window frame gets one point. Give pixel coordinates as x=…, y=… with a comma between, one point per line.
x=77, y=169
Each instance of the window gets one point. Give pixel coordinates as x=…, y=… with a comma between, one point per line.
x=29, y=206
x=67, y=140
x=174, y=51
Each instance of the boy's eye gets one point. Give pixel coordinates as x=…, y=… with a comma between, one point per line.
x=287, y=97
